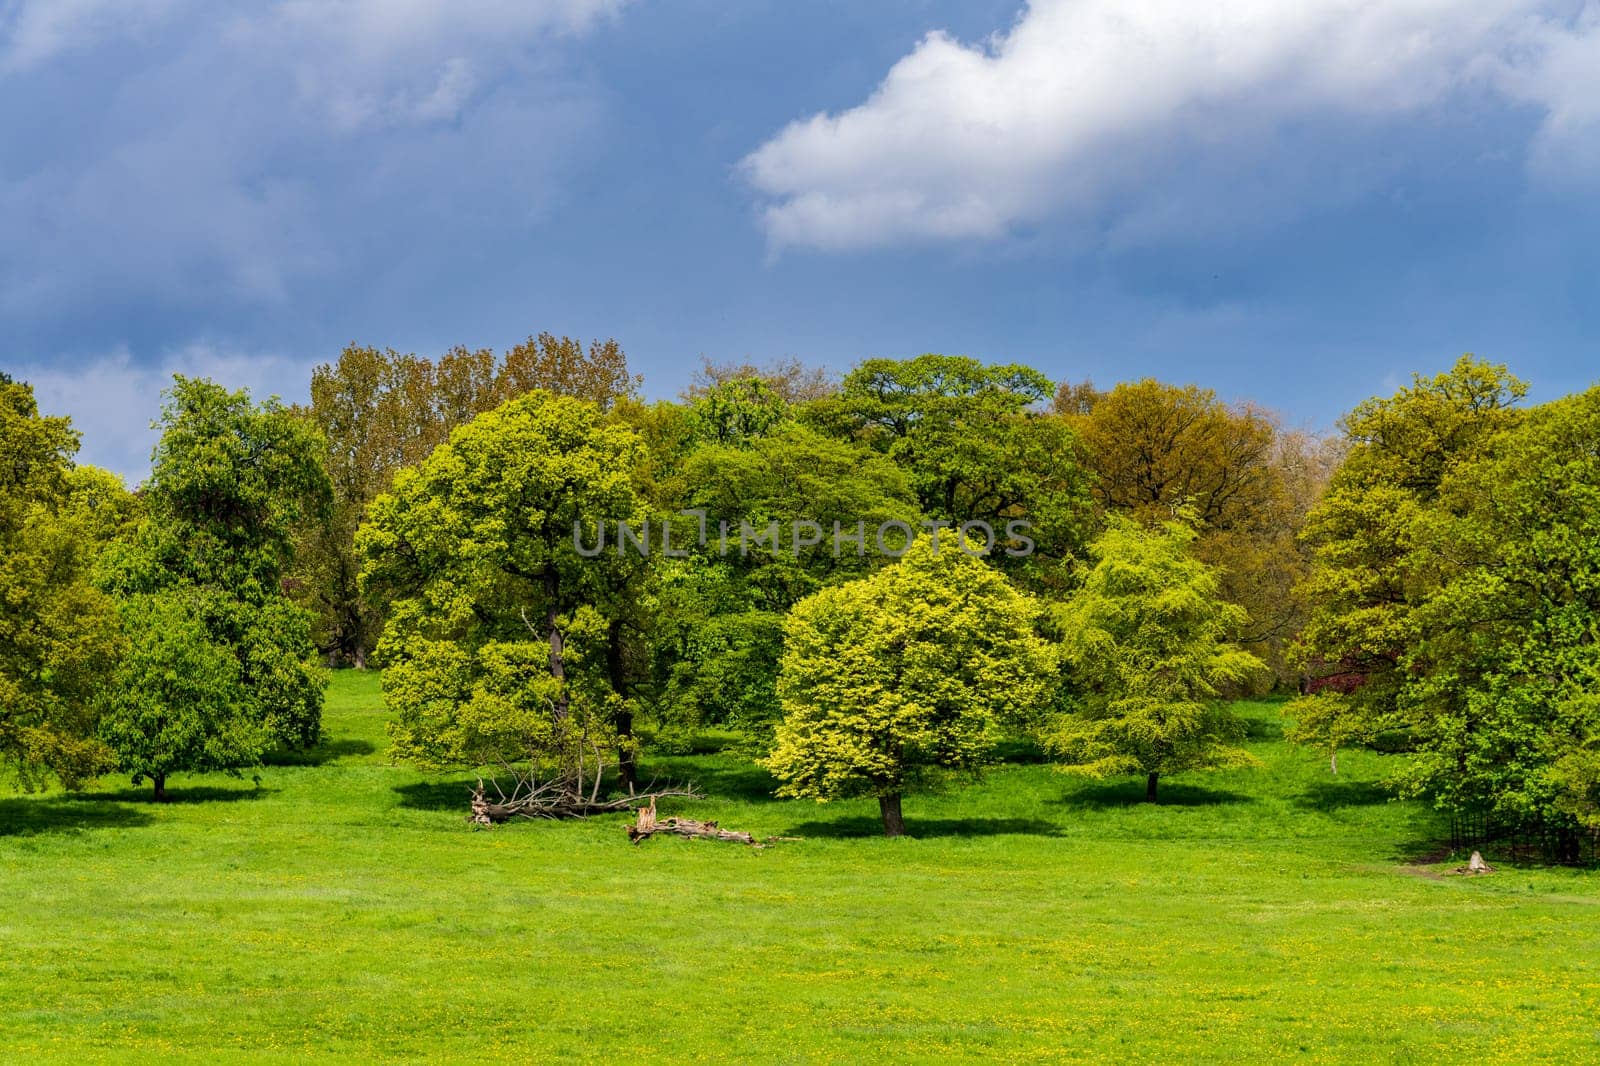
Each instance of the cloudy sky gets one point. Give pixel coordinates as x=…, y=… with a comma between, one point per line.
x=1299, y=203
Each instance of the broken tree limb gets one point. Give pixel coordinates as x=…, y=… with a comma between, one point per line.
x=648, y=825
x=555, y=800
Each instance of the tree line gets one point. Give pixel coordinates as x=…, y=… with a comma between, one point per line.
x=1425, y=580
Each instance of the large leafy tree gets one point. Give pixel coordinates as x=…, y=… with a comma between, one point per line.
x=902, y=677
x=1148, y=645
x=1495, y=680
x=497, y=647
x=975, y=449
x=59, y=637
x=382, y=411
x=1366, y=578
x=1154, y=446
x=229, y=483
x=178, y=700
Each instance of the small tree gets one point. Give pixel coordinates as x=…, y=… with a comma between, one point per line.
x=890, y=680
x=1146, y=641
x=177, y=702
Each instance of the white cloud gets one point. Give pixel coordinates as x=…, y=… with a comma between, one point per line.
x=1082, y=99
x=112, y=400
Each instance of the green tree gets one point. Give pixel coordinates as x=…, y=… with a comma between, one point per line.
x=1148, y=646
x=1367, y=578
x=178, y=700
x=1499, y=687
x=59, y=637
x=1154, y=446
x=904, y=676
x=382, y=411
x=975, y=450
x=737, y=410
x=230, y=482
x=496, y=651
x=719, y=630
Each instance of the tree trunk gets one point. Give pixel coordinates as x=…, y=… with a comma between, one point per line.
x=1150, y=788
x=160, y=782
x=893, y=824
x=627, y=758
x=360, y=657
x=617, y=668
x=558, y=669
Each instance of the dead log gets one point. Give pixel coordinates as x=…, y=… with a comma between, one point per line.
x=648, y=825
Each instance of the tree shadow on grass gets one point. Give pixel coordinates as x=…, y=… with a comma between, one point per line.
x=181, y=794
x=66, y=814
x=1021, y=751
x=453, y=794
x=1131, y=794
x=744, y=782
x=747, y=783
x=322, y=754
x=1332, y=795
x=855, y=826
x=1263, y=729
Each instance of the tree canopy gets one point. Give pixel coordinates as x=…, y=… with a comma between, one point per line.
x=383, y=411
x=1464, y=614
x=200, y=582
x=59, y=636
x=1148, y=645
x=890, y=681
x=496, y=648
x=975, y=450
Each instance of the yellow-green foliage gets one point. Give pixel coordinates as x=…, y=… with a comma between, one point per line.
x=913, y=670
x=475, y=548
x=1147, y=645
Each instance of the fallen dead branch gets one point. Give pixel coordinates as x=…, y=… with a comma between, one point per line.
x=555, y=799
x=648, y=825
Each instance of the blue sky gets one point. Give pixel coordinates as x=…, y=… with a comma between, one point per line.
x=1296, y=204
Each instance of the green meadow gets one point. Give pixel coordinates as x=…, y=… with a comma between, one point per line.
x=339, y=907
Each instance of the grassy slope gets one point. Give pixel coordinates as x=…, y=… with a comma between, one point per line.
x=343, y=908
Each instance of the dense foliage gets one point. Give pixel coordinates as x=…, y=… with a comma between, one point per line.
x=555, y=573
x=383, y=411
x=218, y=668
x=891, y=680
x=58, y=633
x=500, y=644
x=1149, y=648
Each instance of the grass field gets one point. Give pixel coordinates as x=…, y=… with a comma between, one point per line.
x=341, y=908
